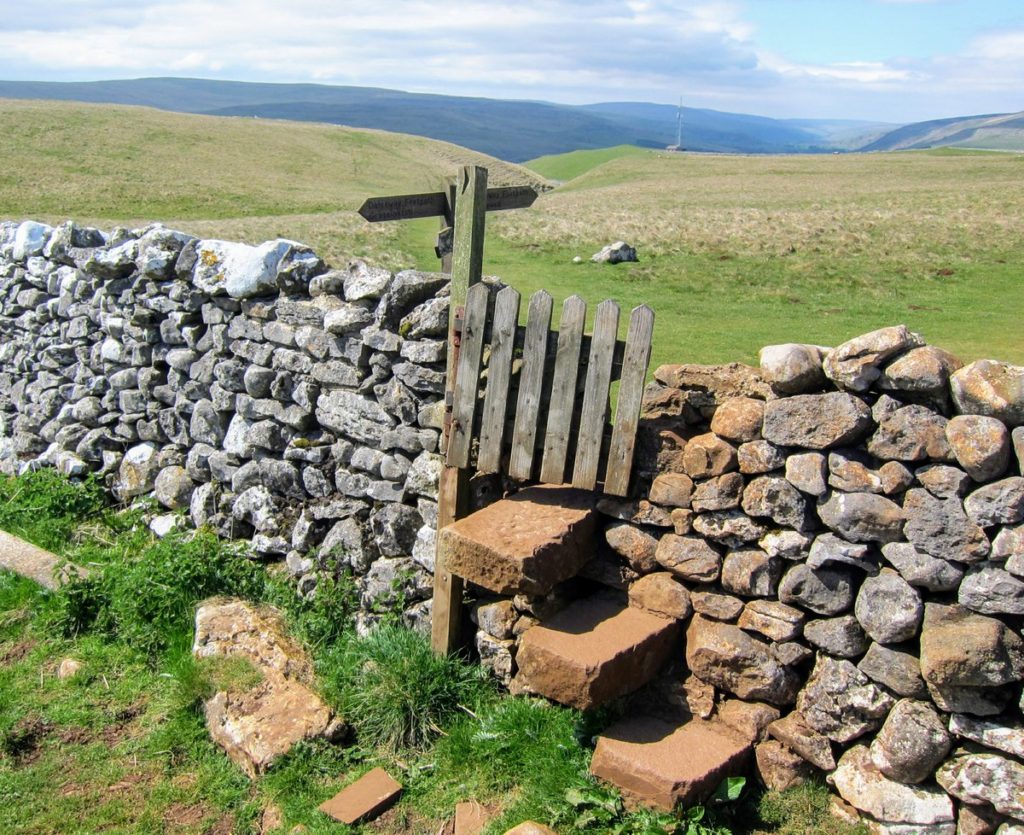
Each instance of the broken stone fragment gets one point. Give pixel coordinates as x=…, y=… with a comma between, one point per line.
x=780, y=768
x=889, y=608
x=912, y=433
x=985, y=778
x=912, y=742
x=795, y=733
x=840, y=702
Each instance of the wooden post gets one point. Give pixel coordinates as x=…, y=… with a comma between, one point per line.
x=453, y=497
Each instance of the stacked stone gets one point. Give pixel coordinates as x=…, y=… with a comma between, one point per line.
x=272, y=399
x=847, y=523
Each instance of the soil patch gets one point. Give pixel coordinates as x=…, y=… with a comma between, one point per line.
x=17, y=652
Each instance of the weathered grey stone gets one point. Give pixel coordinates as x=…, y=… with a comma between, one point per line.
x=987, y=387
x=634, y=545
x=365, y=282
x=739, y=419
x=689, y=558
x=353, y=416
x=992, y=591
x=496, y=655
x=851, y=475
x=719, y=493
x=137, y=473
x=751, y=573
x=776, y=499
x=730, y=659
x=855, y=364
x=258, y=507
x=672, y=490
x=898, y=669
x=238, y=270
x=980, y=444
x=1004, y=734
x=394, y=529
x=807, y=472
x=790, y=545
x=708, y=455
x=912, y=742
x=940, y=527
x=346, y=545
x=864, y=787
x=923, y=370
x=756, y=457
x=791, y=653
x=792, y=368
x=830, y=549
x=392, y=581
x=731, y=528
x=842, y=637
x=173, y=488
x=424, y=475
x=964, y=649
x=922, y=570
x=815, y=748
x=822, y=591
x=816, y=421
x=998, y=503
x=943, y=481
x=776, y=621
x=888, y=608
x=716, y=606
x=985, y=778
x=912, y=433
x=862, y=517
x=840, y=702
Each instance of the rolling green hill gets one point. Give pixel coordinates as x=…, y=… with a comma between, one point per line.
x=1001, y=132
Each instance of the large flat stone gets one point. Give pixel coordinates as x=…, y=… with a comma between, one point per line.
x=26, y=559
x=595, y=650
x=661, y=764
x=524, y=544
x=364, y=799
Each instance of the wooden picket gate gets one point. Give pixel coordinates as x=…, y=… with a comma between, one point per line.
x=554, y=430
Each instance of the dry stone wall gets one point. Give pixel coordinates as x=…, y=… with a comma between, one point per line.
x=248, y=388
x=841, y=534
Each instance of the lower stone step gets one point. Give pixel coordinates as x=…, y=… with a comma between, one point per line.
x=660, y=764
x=524, y=544
x=595, y=650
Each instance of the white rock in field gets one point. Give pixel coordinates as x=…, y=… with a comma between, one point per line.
x=615, y=253
x=30, y=239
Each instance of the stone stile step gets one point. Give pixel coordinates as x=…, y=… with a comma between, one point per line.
x=595, y=650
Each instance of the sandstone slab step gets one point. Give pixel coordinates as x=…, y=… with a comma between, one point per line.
x=595, y=650
x=660, y=764
x=364, y=799
x=524, y=544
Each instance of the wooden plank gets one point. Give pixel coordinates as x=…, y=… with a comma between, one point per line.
x=403, y=207
x=631, y=393
x=510, y=197
x=499, y=375
x=453, y=496
x=531, y=381
x=563, y=390
x=467, y=378
x=595, y=398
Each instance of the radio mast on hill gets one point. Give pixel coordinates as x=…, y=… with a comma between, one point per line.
x=679, y=130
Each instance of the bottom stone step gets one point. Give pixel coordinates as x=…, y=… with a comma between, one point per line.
x=660, y=764
x=594, y=651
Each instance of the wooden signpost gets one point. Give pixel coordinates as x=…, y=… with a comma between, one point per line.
x=464, y=205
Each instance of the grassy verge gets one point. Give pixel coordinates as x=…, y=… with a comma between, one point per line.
x=122, y=746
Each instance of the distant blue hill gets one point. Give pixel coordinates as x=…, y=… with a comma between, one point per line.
x=512, y=130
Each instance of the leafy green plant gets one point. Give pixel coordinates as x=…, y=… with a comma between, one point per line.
x=44, y=507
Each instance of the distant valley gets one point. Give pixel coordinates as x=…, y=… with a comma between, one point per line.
x=521, y=130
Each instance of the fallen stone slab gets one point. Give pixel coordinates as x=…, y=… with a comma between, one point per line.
x=531, y=828
x=471, y=818
x=29, y=561
x=366, y=798
x=259, y=725
x=524, y=544
x=660, y=764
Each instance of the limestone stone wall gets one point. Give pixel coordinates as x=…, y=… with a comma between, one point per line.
x=840, y=532
x=247, y=388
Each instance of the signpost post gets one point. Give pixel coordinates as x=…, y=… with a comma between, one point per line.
x=464, y=205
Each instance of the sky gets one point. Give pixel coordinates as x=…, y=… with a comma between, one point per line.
x=884, y=60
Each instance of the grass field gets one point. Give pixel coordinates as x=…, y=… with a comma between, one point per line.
x=735, y=252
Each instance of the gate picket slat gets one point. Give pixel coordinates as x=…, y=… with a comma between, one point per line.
x=531, y=380
x=499, y=375
x=595, y=398
x=467, y=376
x=631, y=392
x=563, y=390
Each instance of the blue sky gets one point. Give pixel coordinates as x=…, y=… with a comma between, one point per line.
x=888, y=60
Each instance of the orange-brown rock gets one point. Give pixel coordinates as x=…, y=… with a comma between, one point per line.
x=661, y=594
x=660, y=764
x=980, y=444
x=739, y=419
x=720, y=382
x=750, y=719
x=595, y=650
x=708, y=455
x=635, y=546
x=779, y=768
x=523, y=544
x=531, y=828
x=364, y=799
x=672, y=489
